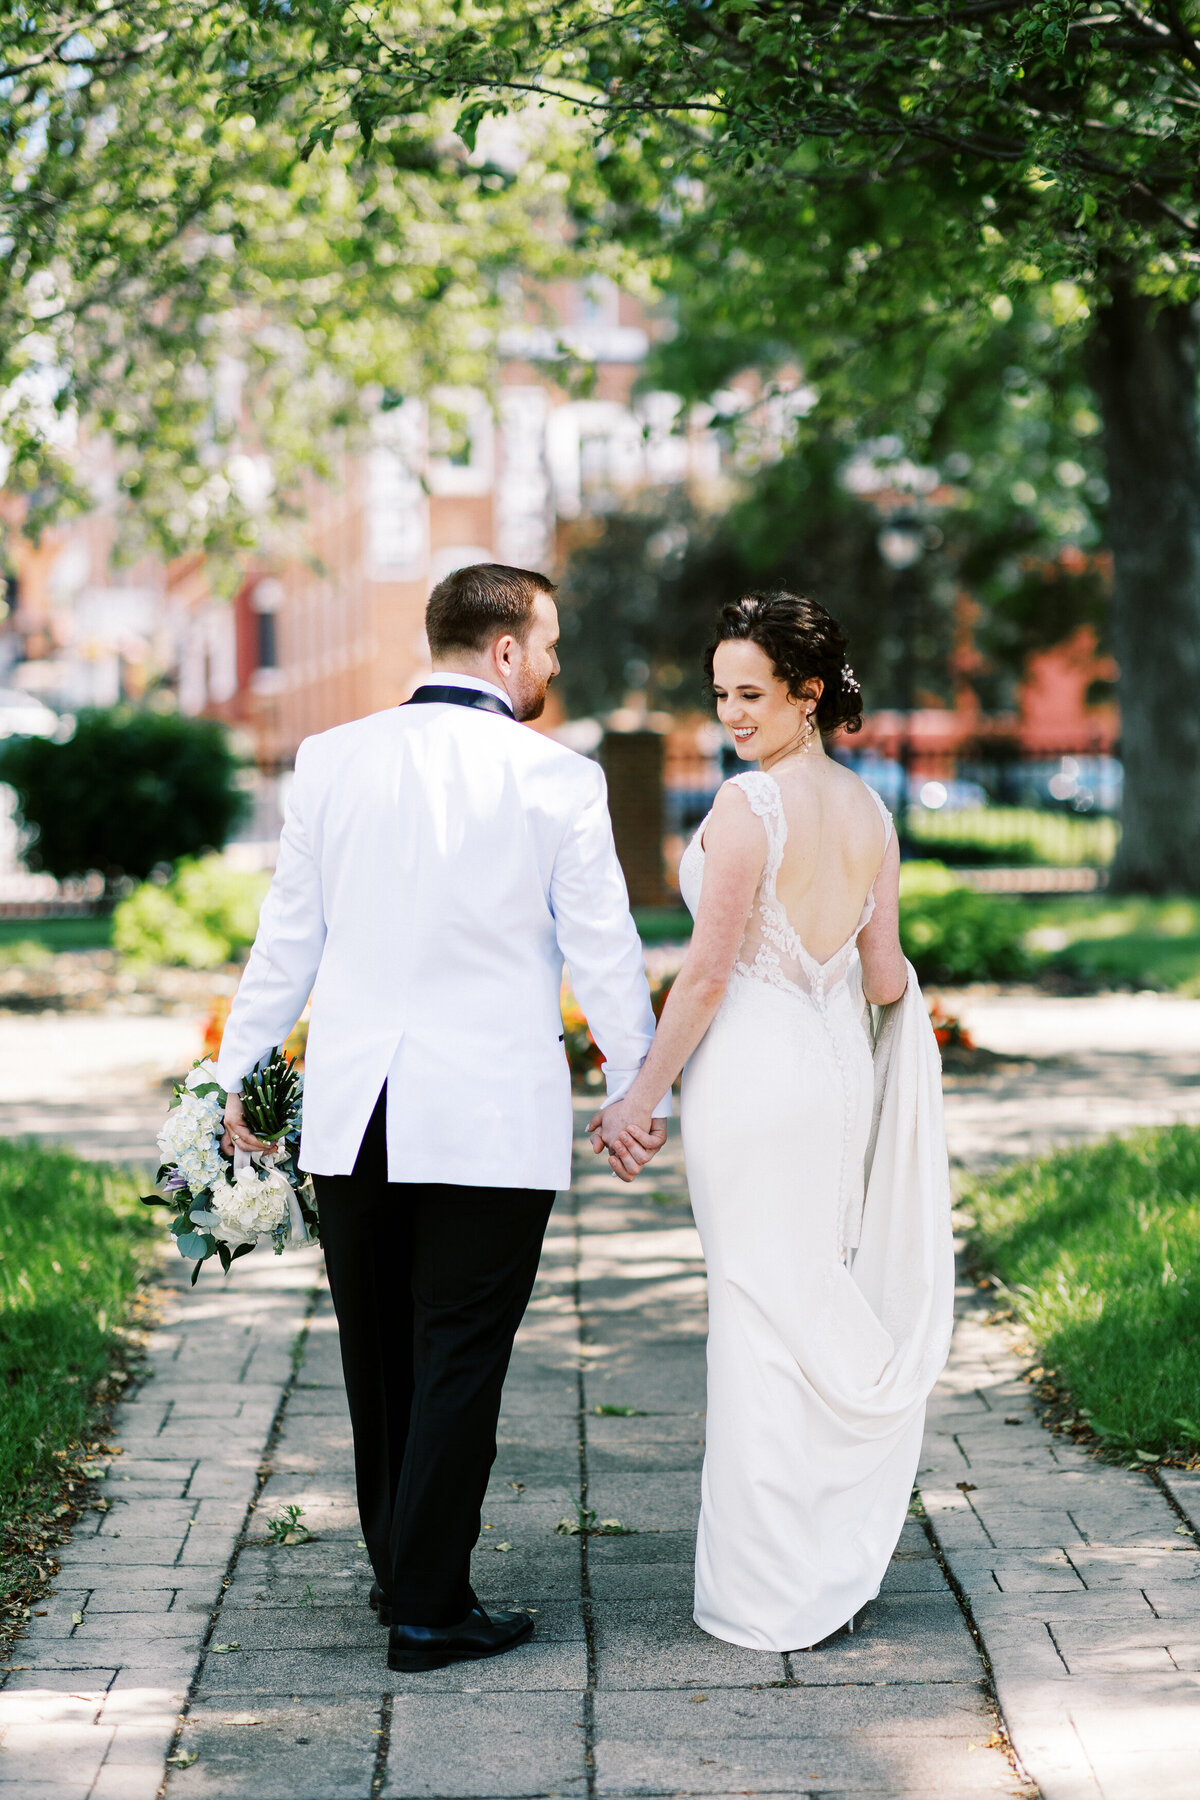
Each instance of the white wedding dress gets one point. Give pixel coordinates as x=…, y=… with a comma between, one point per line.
x=816, y=1161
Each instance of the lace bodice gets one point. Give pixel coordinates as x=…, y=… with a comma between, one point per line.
x=771, y=951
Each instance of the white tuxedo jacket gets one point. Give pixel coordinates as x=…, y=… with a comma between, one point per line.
x=437, y=865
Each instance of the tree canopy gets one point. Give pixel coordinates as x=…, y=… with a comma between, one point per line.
x=893, y=199
x=1070, y=130
x=182, y=277
x=886, y=180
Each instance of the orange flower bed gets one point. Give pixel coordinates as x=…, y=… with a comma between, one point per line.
x=583, y=1053
x=949, y=1029
x=214, y=1031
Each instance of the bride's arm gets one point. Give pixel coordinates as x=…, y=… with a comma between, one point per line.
x=735, y=850
x=884, y=974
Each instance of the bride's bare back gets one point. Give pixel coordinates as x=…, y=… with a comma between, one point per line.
x=829, y=883
x=833, y=853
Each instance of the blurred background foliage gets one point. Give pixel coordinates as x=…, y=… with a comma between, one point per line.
x=175, y=269
x=267, y=213
x=205, y=914
x=130, y=790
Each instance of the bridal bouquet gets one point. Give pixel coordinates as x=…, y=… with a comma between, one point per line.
x=226, y=1206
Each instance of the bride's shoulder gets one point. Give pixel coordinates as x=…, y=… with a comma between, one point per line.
x=752, y=787
x=869, y=798
x=743, y=819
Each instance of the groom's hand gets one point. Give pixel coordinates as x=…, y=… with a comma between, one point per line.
x=237, y=1134
x=629, y=1138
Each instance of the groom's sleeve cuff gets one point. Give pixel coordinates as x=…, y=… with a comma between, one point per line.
x=619, y=1081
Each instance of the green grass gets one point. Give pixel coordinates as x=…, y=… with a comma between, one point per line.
x=74, y=1243
x=1098, y=1252
x=1121, y=942
x=1032, y=835
x=49, y=935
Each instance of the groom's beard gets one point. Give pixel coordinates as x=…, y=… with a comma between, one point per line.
x=532, y=704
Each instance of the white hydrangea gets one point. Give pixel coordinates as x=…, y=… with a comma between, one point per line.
x=189, y=1140
x=251, y=1206
x=203, y=1075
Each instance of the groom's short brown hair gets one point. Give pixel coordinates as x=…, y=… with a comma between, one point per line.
x=476, y=604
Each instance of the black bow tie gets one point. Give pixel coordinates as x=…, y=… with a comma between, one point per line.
x=433, y=695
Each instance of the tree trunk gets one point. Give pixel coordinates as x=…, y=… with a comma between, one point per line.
x=1143, y=367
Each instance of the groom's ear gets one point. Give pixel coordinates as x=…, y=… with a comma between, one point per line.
x=505, y=652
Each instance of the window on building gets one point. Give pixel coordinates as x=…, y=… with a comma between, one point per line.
x=267, y=651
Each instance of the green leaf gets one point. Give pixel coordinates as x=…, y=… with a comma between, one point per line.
x=193, y=1244
x=470, y=119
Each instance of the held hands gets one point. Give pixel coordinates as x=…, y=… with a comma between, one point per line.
x=629, y=1136
x=237, y=1134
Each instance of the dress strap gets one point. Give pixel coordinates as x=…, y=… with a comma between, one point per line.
x=766, y=802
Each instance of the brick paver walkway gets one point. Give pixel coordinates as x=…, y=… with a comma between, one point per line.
x=1083, y=1579
x=259, y=1670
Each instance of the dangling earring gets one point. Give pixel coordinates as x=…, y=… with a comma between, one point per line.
x=810, y=734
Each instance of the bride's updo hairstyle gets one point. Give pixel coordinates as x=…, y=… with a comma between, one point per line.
x=802, y=640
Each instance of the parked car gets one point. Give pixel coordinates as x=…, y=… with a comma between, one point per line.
x=1077, y=783
x=934, y=793
x=948, y=795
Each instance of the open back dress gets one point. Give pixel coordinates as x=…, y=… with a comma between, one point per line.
x=818, y=1369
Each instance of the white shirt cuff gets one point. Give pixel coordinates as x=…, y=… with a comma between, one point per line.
x=619, y=1081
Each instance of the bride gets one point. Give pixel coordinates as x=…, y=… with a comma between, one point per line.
x=815, y=1151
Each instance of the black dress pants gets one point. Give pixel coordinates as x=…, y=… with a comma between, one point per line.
x=429, y=1283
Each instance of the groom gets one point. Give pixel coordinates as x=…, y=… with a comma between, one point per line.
x=437, y=865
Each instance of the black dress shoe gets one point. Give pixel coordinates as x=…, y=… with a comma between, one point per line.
x=379, y=1605
x=412, y=1648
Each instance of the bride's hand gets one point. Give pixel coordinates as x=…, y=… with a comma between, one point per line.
x=629, y=1135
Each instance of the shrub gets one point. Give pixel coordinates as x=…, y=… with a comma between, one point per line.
x=198, y=919
x=971, y=853
x=128, y=791
x=951, y=933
